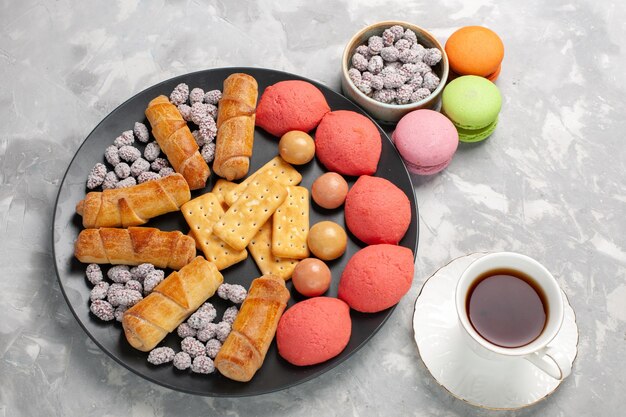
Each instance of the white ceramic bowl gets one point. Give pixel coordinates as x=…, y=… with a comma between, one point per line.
x=391, y=113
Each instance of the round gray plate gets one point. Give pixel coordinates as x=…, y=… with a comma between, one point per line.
x=276, y=373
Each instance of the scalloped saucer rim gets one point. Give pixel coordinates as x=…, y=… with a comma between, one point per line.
x=450, y=345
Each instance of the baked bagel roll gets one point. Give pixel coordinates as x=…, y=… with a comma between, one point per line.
x=235, y=126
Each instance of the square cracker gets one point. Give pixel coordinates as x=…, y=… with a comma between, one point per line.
x=260, y=248
x=201, y=214
x=280, y=170
x=249, y=213
x=291, y=225
x=221, y=188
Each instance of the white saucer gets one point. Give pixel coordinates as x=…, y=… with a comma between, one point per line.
x=507, y=384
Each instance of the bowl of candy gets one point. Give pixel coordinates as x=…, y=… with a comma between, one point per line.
x=391, y=68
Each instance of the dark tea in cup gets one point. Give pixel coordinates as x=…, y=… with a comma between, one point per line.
x=506, y=307
x=510, y=306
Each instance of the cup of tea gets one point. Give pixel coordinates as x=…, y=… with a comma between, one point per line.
x=510, y=306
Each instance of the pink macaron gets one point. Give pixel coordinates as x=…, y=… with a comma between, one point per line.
x=426, y=140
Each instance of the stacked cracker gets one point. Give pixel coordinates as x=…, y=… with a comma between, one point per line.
x=268, y=213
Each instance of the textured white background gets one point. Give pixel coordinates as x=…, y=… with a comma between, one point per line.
x=549, y=183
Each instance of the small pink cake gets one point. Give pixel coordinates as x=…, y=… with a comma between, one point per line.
x=290, y=105
x=376, y=277
x=426, y=140
x=348, y=143
x=377, y=211
x=314, y=331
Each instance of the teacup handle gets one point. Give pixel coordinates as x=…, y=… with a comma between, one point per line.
x=551, y=361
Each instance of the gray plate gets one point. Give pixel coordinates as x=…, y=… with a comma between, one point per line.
x=276, y=373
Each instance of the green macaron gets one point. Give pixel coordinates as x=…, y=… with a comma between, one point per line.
x=472, y=103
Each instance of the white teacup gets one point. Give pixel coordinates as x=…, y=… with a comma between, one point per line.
x=538, y=352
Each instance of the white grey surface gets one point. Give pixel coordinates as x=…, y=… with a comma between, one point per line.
x=549, y=183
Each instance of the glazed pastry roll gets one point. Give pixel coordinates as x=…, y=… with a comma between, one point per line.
x=134, y=206
x=134, y=246
x=170, y=303
x=235, y=126
x=176, y=141
x=254, y=328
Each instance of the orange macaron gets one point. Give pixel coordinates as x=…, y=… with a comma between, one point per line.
x=475, y=50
